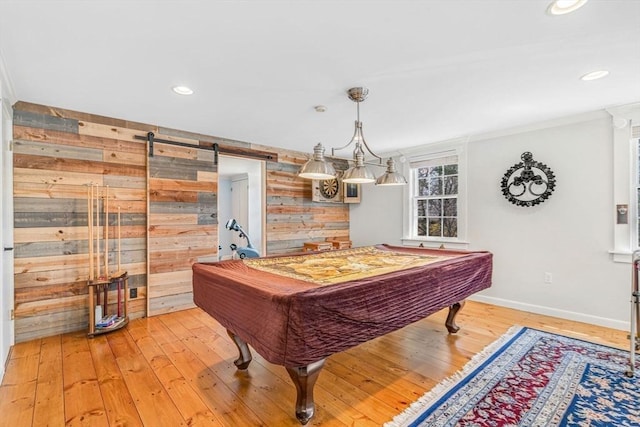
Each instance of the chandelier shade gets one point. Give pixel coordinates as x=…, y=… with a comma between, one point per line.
x=317, y=167
x=358, y=174
x=391, y=176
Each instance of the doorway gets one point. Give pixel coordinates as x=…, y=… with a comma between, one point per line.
x=240, y=197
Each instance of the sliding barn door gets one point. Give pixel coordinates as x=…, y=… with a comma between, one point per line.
x=183, y=223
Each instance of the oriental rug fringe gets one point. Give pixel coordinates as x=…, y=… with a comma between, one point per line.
x=533, y=378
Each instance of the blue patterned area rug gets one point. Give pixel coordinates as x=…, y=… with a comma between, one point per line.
x=533, y=378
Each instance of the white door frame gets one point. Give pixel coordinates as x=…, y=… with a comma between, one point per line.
x=7, y=330
x=255, y=170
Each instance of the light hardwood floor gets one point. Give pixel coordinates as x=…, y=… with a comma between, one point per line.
x=177, y=370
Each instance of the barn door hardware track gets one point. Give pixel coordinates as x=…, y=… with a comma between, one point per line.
x=215, y=147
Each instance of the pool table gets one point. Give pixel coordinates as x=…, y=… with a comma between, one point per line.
x=296, y=310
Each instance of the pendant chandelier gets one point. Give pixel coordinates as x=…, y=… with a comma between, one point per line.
x=318, y=168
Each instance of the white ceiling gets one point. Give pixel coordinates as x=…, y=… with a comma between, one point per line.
x=436, y=69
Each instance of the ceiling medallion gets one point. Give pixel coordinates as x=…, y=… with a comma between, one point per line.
x=529, y=182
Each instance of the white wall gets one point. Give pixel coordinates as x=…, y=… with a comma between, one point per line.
x=568, y=236
x=378, y=216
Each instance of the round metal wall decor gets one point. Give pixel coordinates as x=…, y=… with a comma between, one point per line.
x=529, y=182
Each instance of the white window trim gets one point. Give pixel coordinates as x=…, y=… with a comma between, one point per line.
x=443, y=149
x=623, y=118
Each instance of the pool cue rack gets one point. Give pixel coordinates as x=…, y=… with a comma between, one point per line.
x=104, y=280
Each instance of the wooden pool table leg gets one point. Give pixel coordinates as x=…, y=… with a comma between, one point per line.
x=450, y=323
x=242, y=362
x=304, y=378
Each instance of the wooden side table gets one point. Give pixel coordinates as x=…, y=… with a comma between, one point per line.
x=317, y=246
x=339, y=243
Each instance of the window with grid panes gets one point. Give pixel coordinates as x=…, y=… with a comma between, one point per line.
x=626, y=180
x=435, y=197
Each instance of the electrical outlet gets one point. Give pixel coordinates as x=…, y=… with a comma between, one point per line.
x=548, y=278
x=133, y=293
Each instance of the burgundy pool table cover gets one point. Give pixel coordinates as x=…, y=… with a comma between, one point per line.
x=293, y=323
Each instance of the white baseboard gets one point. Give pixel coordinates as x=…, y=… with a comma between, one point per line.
x=548, y=311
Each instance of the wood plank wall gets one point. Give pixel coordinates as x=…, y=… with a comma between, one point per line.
x=55, y=156
x=168, y=204
x=292, y=217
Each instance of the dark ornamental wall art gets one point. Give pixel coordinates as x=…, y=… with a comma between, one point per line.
x=529, y=182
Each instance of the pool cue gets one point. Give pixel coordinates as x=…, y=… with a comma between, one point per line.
x=93, y=248
x=119, y=241
x=106, y=305
x=98, y=298
x=106, y=232
x=105, y=208
x=91, y=245
x=119, y=302
x=119, y=271
x=98, y=231
x=89, y=230
x=99, y=288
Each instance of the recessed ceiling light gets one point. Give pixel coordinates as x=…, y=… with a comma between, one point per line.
x=182, y=90
x=562, y=7
x=594, y=75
